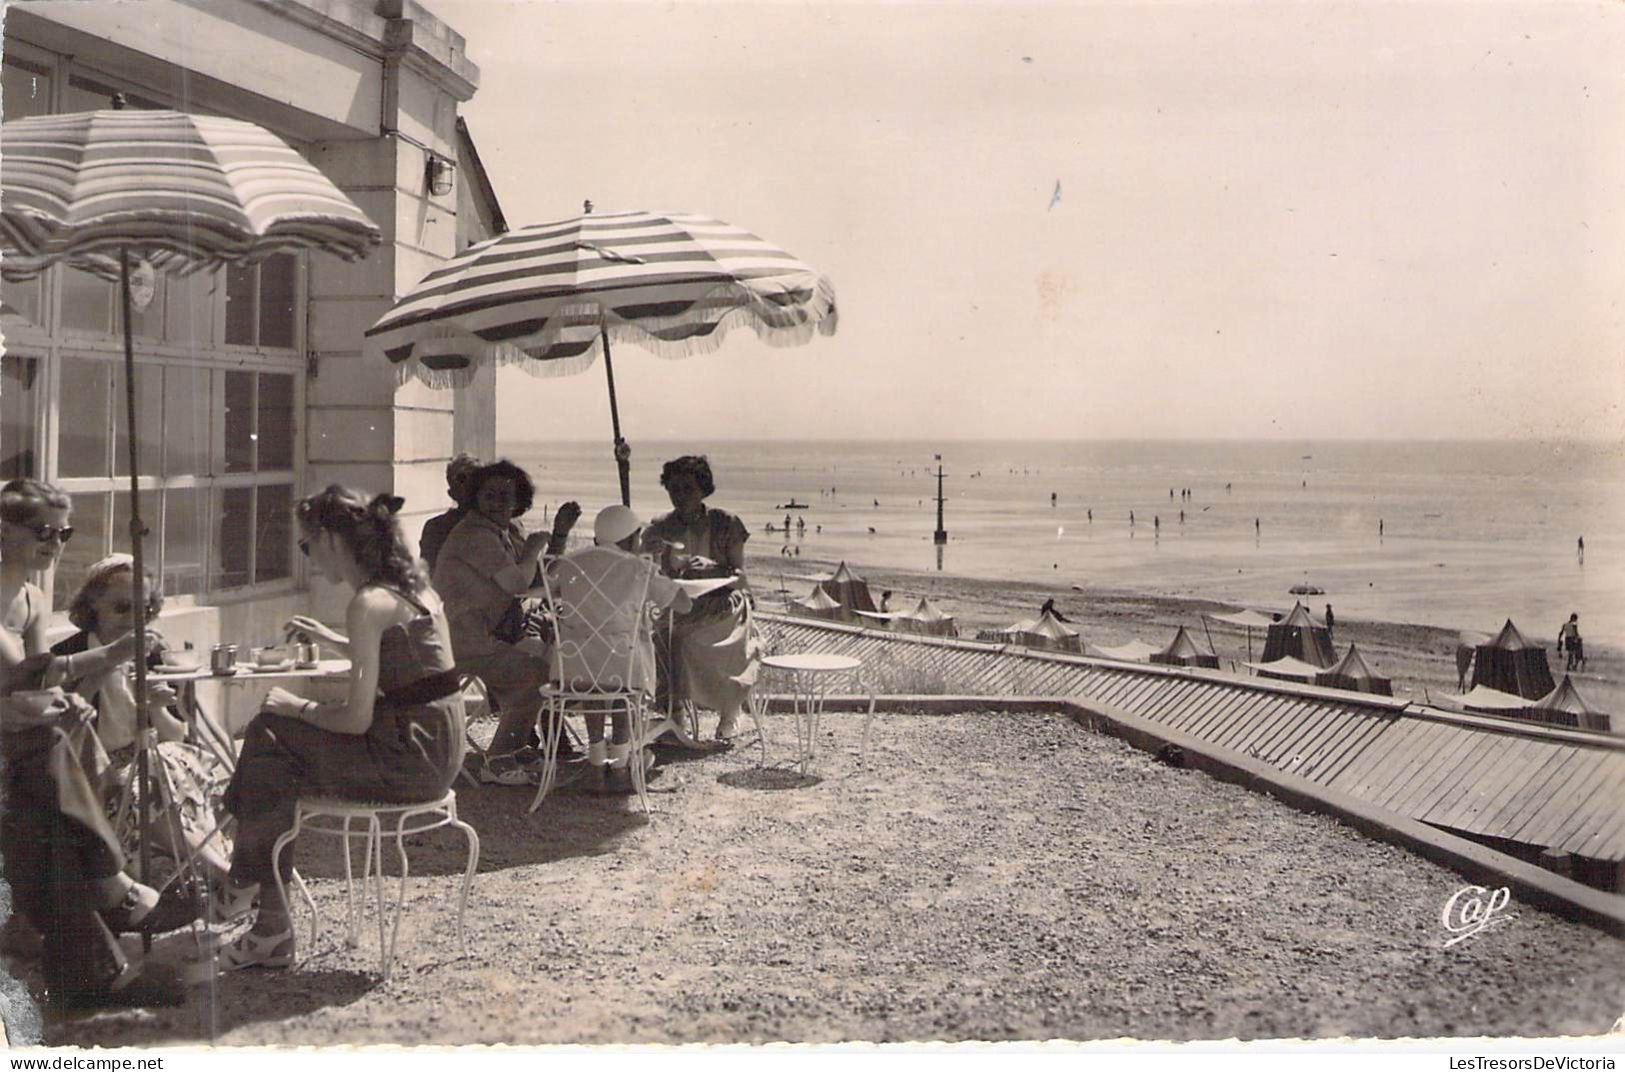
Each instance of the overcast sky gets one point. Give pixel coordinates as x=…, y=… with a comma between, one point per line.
x=1097, y=220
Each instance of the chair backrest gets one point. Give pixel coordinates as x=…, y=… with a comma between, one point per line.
x=598, y=602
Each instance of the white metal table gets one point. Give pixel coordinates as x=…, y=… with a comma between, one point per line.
x=810, y=676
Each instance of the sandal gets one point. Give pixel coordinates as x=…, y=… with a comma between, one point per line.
x=228, y=902
x=258, y=951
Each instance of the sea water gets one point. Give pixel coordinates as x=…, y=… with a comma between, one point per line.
x=1471, y=533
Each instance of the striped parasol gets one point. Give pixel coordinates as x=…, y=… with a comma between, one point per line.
x=544, y=296
x=550, y=296
x=101, y=190
x=188, y=192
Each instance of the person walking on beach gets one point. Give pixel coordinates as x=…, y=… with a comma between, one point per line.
x=1582, y=549
x=1131, y=519
x=1156, y=522
x=1331, y=621
x=1256, y=529
x=1568, y=639
x=1379, y=528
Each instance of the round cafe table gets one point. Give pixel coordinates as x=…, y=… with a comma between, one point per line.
x=809, y=676
x=216, y=736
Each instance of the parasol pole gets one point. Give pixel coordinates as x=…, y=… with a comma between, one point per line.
x=623, y=453
x=623, y=459
x=138, y=579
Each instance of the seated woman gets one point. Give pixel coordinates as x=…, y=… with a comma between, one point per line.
x=103, y=608
x=485, y=562
x=708, y=654
x=397, y=737
x=61, y=858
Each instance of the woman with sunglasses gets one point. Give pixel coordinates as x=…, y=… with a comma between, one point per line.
x=62, y=858
x=397, y=738
x=104, y=607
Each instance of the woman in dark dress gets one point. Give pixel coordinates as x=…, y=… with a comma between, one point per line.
x=397, y=738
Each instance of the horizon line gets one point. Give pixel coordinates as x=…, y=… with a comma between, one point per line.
x=1564, y=439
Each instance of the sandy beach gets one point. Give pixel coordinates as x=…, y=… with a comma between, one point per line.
x=932, y=896
x=1421, y=659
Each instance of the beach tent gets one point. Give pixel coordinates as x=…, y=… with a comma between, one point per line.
x=928, y=619
x=1512, y=664
x=1355, y=674
x=818, y=604
x=1135, y=651
x=1564, y=706
x=1302, y=636
x=1183, y=650
x=848, y=589
x=1286, y=668
x=1247, y=619
x=1044, y=631
x=1483, y=700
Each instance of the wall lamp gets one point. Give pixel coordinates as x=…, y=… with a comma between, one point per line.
x=439, y=174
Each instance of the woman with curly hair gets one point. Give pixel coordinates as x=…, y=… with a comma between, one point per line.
x=103, y=609
x=710, y=658
x=486, y=561
x=397, y=738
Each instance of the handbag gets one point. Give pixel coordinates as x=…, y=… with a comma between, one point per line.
x=520, y=620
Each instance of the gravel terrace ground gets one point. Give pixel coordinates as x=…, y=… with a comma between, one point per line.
x=990, y=877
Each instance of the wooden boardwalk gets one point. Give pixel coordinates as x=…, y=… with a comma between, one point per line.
x=1547, y=787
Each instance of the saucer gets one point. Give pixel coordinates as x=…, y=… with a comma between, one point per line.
x=271, y=668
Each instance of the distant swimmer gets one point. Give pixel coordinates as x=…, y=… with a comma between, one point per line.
x=1227, y=487
x=818, y=528
x=1131, y=518
x=1091, y=516
x=1052, y=498
x=1582, y=547
x=871, y=530
x=1255, y=526
x=1379, y=528
x=1156, y=522
x=1182, y=517
x=877, y=502
x=1170, y=494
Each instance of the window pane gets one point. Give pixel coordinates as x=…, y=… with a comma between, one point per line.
x=152, y=509
x=19, y=412
x=82, y=446
x=26, y=88
x=275, y=434
x=273, y=543
x=22, y=299
x=233, y=541
x=89, y=544
x=186, y=420
x=149, y=420
x=277, y=282
x=240, y=306
x=189, y=308
x=87, y=302
x=186, y=526
x=239, y=421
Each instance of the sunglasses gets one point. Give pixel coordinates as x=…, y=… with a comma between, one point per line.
x=42, y=533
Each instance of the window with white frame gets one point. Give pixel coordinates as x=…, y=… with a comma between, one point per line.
x=218, y=382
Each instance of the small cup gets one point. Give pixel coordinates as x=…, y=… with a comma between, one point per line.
x=223, y=659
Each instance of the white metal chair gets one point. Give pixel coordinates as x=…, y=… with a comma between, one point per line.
x=598, y=604
x=373, y=823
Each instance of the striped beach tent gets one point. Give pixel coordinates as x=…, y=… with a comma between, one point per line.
x=1509, y=663
x=186, y=192
x=1355, y=674
x=818, y=604
x=1185, y=650
x=550, y=296
x=927, y=619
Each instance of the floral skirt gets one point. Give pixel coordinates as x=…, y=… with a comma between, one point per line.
x=197, y=781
